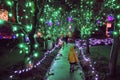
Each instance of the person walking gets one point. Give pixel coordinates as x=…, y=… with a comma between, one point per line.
x=72, y=58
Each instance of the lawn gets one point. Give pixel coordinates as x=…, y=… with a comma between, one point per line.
x=11, y=60
x=103, y=51
x=100, y=56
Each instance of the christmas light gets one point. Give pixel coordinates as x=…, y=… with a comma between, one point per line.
x=14, y=28
x=35, y=65
x=1, y=21
x=3, y=14
x=82, y=16
x=9, y=3
x=87, y=59
x=35, y=54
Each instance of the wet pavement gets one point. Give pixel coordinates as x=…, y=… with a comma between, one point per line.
x=59, y=69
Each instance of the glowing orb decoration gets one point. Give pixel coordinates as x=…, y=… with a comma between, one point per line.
x=110, y=17
x=38, y=34
x=109, y=25
x=4, y=14
x=69, y=19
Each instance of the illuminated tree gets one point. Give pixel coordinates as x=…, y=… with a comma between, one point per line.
x=50, y=19
x=114, y=6
x=24, y=26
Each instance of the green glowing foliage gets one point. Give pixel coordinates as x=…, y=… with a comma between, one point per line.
x=10, y=14
x=115, y=33
x=9, y=3
x=118, y=7
x=30, y=62
x=1, y=21
x=28, y=28
x=111, y=4
x=28, y=4
x=96, y=29
x=36, y=54
x=27, y=52
x=118, y=16
x=28, y=59
x=21, y=52
x=41, y=20
x=26, y=17
x=14, y=28
x=21, y=45
x=36, y=45
x=24, y=48
x=17, y=35
x=22, y=34
x=89, y=2
x=118, y=24
x=113, y=0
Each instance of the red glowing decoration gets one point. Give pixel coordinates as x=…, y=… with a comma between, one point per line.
x=4, y=14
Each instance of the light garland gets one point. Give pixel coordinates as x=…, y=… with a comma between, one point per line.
x=93, y=42
x=87, y=59
x=36, y=65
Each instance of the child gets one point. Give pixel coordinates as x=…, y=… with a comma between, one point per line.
x=72, y=58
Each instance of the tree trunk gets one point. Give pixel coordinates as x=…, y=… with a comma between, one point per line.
x=114, y=56
x=16, y=11
x=31, y=35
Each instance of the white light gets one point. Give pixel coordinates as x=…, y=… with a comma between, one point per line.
x=90, y=65
x=93, y=71
x=11, y=76
x=39, y=62
x=23, y=70
x=26, y=70
x=96, y=75
x=19, y=71
x=96, y=78
x=34, y=66
x=15, y=71
x=94, y=62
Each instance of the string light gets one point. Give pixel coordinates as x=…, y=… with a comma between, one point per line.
x=53, y=14
x=36, y=65
x=81, y=44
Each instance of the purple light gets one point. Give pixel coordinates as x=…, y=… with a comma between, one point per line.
x=14, y=36
x=69, y=19
x=50, y=23
x=110, y=17
x=27, y=39
x=0, y=37
x=58, y=23
x=98, y=21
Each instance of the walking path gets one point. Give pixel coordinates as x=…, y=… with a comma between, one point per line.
x=59, y=69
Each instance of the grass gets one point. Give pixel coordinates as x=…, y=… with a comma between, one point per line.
x=11, y=60
x=100, y=56
x=103, y=51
